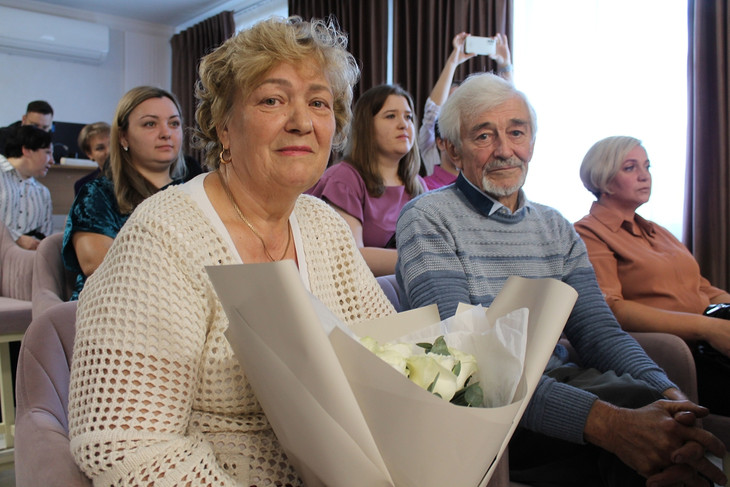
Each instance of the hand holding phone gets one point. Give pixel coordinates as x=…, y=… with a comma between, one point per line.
x=486, y=46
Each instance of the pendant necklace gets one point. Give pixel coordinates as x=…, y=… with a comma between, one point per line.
x=249, y=225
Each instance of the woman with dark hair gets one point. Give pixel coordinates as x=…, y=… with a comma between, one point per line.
x=25, y=204
x=378, y=175
x=144, y=157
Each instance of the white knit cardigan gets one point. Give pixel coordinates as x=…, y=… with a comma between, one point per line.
x=157, y=396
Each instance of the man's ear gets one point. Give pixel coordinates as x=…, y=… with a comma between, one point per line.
x=453, y=153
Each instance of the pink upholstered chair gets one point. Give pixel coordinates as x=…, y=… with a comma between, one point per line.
x=52, y=282
x=16, y=271
x=42, y=453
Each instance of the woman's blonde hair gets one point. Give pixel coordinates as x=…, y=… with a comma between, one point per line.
x=130, y=187
x=89, y=131
x=234, y=69
x=603, y=161
x=362, y=151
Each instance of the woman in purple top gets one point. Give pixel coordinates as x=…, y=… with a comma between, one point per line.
x=378, y=175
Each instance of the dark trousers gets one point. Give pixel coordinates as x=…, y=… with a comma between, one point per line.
x=713, y=378
x=543, y=461
x=713, y=368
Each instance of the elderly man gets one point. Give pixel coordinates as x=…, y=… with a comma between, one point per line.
x=614, y=422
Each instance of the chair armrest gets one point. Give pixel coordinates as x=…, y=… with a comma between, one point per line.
x=17, y=273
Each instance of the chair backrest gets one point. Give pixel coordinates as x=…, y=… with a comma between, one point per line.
x=16, y=268
x=42, y=452
x=52, y=282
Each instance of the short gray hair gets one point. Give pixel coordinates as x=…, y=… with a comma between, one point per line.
x=479, y=93
x=603, y=161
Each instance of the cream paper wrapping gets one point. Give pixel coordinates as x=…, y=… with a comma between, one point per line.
x=344, y=417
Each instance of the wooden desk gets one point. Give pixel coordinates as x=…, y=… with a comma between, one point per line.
x=60, y=181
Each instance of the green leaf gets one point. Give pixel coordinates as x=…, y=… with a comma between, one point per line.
x=473, y=395
x=457, y=368
x=439, y=347
x=433, y=384
x=426, y=346
x=458, y=398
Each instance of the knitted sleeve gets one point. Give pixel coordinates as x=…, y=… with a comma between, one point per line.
x=339, y=276
x=594, y=332
x=560, y=410
x=428, y=269
x=142, y=326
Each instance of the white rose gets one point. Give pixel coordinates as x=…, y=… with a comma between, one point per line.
x=468, y=367
x=369, y=343
x=395, y=354
x=424, y=370
x=395, y=358
x=446, y=361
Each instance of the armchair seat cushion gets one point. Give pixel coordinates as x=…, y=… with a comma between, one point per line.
x=15, y=314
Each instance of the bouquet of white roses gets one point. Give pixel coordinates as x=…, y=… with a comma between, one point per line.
x=345, y=417
x=441, y=370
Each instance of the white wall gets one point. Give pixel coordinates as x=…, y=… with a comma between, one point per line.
x=139, y=53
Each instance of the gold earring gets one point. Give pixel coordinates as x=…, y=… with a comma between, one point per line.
x=223, y=159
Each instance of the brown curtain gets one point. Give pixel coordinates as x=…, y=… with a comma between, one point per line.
x=365, y=22
x=707, y=203
x=187, y=48
x=423, y=30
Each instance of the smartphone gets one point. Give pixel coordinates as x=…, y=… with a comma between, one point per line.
x=480, y=45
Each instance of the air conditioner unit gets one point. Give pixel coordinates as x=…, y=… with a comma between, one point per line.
x=36, y=34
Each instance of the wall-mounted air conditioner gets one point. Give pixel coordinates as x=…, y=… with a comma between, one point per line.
x=35, y=34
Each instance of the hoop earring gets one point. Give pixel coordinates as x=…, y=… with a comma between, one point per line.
x=223, y=159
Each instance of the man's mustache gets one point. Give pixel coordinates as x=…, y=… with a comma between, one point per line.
x=502, y=163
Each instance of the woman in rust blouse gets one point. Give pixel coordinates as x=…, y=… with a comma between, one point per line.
x=650, y=280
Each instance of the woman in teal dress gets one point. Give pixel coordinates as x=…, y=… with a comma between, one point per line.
x=145, y=156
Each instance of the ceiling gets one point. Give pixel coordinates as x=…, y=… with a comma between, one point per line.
x=167, y=12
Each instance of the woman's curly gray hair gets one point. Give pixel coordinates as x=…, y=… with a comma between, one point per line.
x=235, y=67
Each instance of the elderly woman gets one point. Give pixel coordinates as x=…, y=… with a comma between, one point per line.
x=379, y=174
x=145, y=156
x=157, y=395
x=650, y=280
